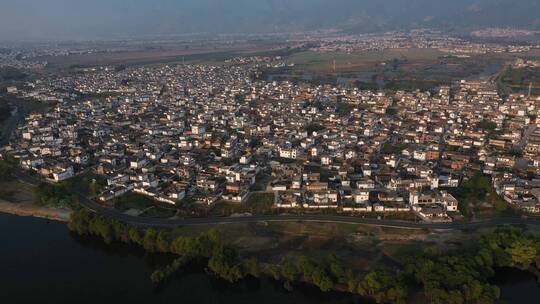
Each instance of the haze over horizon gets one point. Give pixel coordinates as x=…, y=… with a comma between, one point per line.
x=101, y=19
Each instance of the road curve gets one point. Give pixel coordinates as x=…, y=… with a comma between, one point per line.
x=171, y=223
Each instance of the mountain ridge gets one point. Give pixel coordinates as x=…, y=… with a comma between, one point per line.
x=101, y=18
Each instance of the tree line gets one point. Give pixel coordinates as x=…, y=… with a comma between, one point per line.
x=55, y=196
x=222, y=260
x=472, y=193
x=463, y=277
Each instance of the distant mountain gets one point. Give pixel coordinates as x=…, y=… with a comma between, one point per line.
x=104, y=18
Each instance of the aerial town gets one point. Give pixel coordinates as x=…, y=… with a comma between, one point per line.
x=276, y=151
x=211, y=133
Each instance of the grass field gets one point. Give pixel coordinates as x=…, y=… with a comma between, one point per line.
x=144, y=206
x=258, y=203
x=17, y=192
x=132, y=201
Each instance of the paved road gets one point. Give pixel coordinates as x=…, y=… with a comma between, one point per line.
x=171, y=223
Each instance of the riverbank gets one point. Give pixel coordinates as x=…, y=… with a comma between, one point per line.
x=29, y=209
x=474, y=265
x=51, y=255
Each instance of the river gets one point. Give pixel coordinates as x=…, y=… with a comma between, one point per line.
x=42, y=261
x=517, y=287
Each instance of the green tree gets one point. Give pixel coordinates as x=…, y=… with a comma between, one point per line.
x=522, y=253
x=289, y=271
x=275, y=272
x=135, y=235
x=383, y=287
x=391, y=111
x=336, y=269
x=486, y=125
x=162, y=242
x=251, y=267
x=320, y=278
x=149, y=241
x=101, y=227
x=306, y=266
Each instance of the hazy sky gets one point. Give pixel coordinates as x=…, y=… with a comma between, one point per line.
x=87, y=19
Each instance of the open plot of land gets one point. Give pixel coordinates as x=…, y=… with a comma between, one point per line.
x=258, y=203
x=361, y=247
x=321, y=62
x=131, y=58
x=520, y=80
x=132, y=201
x=17, y=192
x=392, y=69
x=532, y=54
x=211, y=54
x=140, y=205
x=20, y=199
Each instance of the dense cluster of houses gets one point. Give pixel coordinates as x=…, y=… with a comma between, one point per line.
x=209, y=133
x=413, y=39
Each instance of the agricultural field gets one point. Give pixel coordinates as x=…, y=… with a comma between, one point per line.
x=132, y=58
x=519, y=80
x=323, y=62
x=173, y=54
x=393, y=69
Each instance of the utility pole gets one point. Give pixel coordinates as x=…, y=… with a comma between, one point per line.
x=530, y=88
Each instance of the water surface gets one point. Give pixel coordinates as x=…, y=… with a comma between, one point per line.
x=42, y=262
